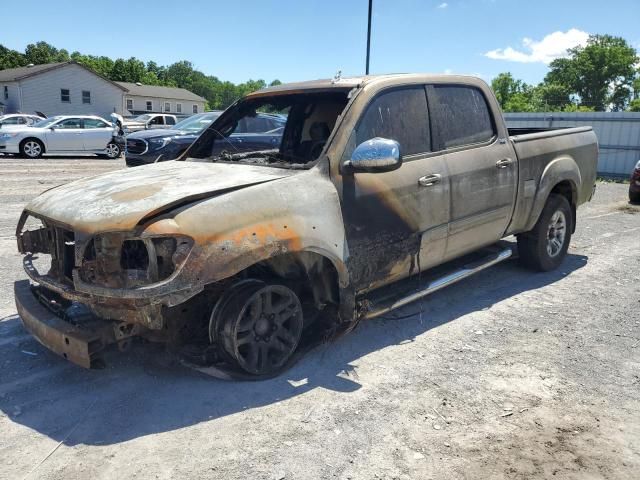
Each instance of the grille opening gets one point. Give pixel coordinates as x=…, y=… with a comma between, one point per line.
x=68, y=253
x=134, y=255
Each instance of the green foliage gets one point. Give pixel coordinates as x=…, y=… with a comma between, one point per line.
x=599, y=76
x=219, y=94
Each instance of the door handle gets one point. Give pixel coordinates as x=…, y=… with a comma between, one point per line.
x=504, y=163
x=429, y=180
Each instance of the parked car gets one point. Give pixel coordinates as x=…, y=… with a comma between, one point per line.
x=149, y=146
x=152, y=146
x=18, y=120
x=148, y=121
x=64, y=134
x=383, y=190
x=634, y=184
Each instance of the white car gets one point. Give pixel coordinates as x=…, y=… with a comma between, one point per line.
x=149, y=121
x=12, y=120
x=67, y=134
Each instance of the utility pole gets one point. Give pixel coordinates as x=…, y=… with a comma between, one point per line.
x=369, y=36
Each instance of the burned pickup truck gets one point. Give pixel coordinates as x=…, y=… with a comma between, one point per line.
x=382, y=190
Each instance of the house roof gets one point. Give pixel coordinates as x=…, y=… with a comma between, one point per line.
x=15, y=74
x=156, y=91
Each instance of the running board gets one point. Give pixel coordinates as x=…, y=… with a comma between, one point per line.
x=379, y=304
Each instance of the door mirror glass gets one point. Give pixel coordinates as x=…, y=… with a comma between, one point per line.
x=376, y=155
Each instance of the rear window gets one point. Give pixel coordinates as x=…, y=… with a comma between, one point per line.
x=460, y=116
x=399, y=115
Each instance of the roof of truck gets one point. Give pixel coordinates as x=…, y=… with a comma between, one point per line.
x=342, y=83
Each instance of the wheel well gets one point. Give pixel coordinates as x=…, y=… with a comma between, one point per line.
x=567, y=190
x=33, y=138
x=314, y=276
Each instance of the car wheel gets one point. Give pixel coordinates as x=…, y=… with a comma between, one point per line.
x=545, y=246
x=31, y=148
x=259, y=326
x=113, y=150
x=634, y=197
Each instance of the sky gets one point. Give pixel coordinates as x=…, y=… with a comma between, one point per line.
x=294, y=40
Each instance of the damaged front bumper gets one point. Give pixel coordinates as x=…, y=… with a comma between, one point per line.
x=80, y=340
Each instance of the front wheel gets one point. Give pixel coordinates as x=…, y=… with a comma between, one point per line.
x=545, y=246
x=31, y=148
x=260, y=326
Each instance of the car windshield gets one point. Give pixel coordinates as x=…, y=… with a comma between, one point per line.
x=285, y=130
x=142, y=118
x=46, y=122
x=196, y=123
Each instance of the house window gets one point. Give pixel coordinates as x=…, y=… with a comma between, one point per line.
x=65, y=96
x=178, y=107
x=6, y=92
x=130, y=104
x=86, y=96
x=195, y=109
x=149, y=106
x=167, y=107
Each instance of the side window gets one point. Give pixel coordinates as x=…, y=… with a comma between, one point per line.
x=69, y=123
x=170, y=121
x=156, y=120
x=94, y=123
x=399, y=115
x=460, y=116
x=11, y=121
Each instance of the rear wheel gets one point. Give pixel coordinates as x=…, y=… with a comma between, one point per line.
x=545, y=246
x=259, y=326
x=634, y=197
x=113, y=150
x=31, y=148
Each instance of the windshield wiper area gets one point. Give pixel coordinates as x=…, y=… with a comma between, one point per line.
x=271, y=158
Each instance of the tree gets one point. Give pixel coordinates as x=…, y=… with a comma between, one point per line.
x=600, y=74
x=42, y=52
x=505, y=87
x=11, y=58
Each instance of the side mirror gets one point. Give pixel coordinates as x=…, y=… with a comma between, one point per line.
x=376, y=155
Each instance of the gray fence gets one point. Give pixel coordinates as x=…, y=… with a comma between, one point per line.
x=618, y=135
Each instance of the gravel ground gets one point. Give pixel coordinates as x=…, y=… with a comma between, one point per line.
x=508, y=374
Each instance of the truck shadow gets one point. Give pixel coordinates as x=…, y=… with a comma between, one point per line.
x=146, y=391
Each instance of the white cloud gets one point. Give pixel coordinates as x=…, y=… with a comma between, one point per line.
x=443, y=5
x=554, y=45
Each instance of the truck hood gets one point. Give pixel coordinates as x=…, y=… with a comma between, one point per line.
x=118, y=201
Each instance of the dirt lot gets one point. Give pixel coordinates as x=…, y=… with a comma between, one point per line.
x=506, y=375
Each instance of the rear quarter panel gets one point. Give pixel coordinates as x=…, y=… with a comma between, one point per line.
x=546, y=159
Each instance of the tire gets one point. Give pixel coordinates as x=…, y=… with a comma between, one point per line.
x=31, y=148
x=113, y=150
x=634, y=197
x=545, y=246
x=259, y=326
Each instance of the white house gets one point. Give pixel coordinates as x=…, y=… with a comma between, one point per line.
x=68, y=88
x=151, y=98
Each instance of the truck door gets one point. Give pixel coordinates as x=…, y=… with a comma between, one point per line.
x=481, y=164
x=387, y=214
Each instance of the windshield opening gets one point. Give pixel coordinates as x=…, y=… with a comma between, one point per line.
x=196, y=123
x=142, y=118
x=287, y=131
x=46, y=122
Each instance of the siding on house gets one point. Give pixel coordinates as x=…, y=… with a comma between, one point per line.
x=12, y=104
x=42, y=93
x=140, y=105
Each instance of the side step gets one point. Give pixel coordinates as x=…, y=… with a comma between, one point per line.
x=389, y=298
